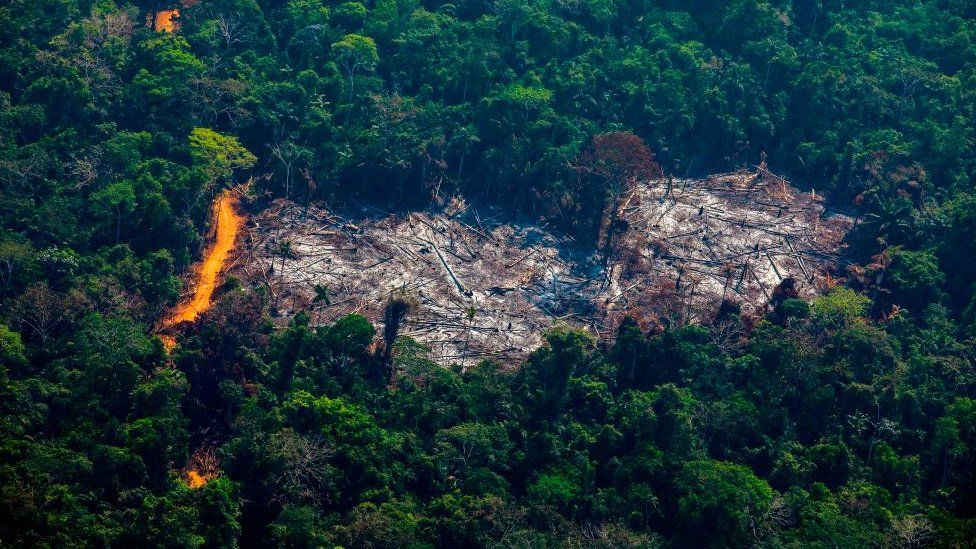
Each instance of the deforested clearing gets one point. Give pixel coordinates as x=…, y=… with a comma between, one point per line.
x=678, y=249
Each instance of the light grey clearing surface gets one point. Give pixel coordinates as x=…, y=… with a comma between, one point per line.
x=683, y=247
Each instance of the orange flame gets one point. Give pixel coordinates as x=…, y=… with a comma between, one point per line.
x=228, y=223
x=195, y=479
x=165, y=20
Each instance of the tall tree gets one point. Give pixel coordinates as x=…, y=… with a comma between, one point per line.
x=355, y=53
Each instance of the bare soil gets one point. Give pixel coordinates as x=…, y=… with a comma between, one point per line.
x=678, y=249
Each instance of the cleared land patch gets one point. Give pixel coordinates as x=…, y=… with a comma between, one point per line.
x=489, y=289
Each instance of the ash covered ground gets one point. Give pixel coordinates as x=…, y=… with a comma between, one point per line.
x=490, y=289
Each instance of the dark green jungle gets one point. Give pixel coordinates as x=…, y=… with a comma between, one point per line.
x=845, y=420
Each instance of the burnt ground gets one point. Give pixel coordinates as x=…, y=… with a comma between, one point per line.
x=490, y=289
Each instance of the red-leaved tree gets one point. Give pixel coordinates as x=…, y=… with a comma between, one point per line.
x=617, y=160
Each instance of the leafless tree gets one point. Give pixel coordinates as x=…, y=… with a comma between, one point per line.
x=232, y=29
x=288, y=153
x=877, y=429
x=726, y=334
x=216, y=99
x=305, y=471
x=912, y=531
x=42, y=311
x=206, y=463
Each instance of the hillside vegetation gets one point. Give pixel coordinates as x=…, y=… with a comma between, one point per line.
x=847, y=420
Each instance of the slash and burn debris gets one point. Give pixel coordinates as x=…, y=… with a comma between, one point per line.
x=677, y=249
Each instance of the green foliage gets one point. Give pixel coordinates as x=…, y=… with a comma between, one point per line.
x=469, y=446
x=219, y=154
x=724, y=505
x=349, y=15
x=915, y=277
x=299, y=526
x=844, y=420
x=556, y=490
x=13, y=354
x=841, y=308
x=391, y=524
x=350, y=336
x=531, y=98
x=355, y=53
x=549, y=369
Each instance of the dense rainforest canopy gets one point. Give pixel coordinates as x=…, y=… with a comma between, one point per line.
x=847, y=421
